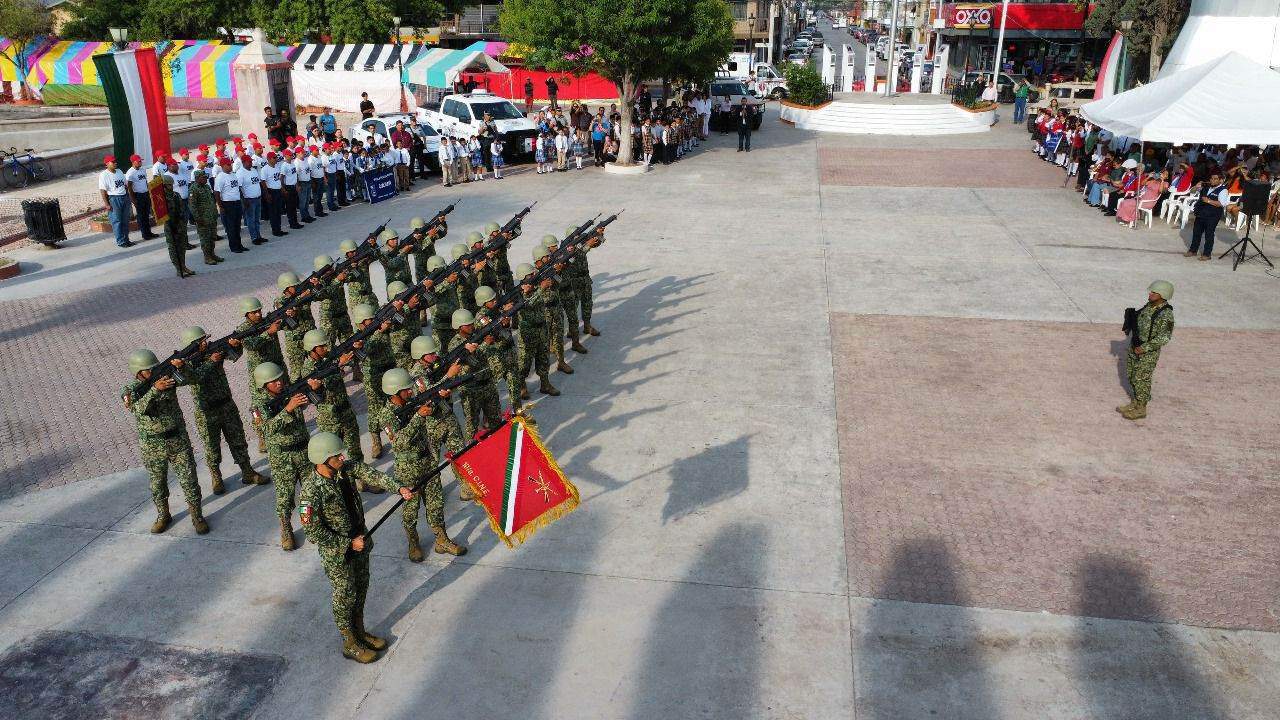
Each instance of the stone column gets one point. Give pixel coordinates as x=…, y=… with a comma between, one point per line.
x=264, y=78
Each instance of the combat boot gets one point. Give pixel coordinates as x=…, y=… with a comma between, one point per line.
x=415, y=547
x=1122, y=409
x=353, y=650
x=162, y=519
x=444, y=545
x=215, y=474
x=262, y=442
x=286, y=534
x=197, y=519
x=576, y=344
x=464, y=492
x=563, y=367
x=249, y=476
x=217, y=258
x=375, y=448
x=590, y=329
x=545, y=387
x=187, y=272
x=1137, y=412
x=366, y=638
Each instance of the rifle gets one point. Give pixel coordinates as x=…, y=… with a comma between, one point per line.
x=512, y=226
x=166, y=368
x=405, y=412
x=314, y=395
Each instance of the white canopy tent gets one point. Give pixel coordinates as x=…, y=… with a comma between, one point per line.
x=1216, y=27
x=335, y=75
x=1231, y=100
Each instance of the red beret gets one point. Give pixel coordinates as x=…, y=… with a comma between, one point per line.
x=135, y=158
x=271, y=155
x=108, y=159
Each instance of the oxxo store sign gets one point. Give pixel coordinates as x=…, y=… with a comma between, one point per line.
x=1023, y=17
x=975, y=17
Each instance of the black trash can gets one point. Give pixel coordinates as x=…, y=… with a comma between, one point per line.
x=44, y=220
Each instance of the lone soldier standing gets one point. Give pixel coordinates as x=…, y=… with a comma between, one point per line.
x=205, y=211
x=333, y=411
x=415, y=458
x=175, y=230
x=1152, y=330
x=216, y=414
x=163, y=439
x=332, y=515
x=286, y=433
x=580, y=273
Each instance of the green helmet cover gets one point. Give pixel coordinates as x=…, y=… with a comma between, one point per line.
x=266, y=372
x=322, y=446
x=462, y=316
x=142, y=359
x=193, y=333
x=314, y=338
x=395, y=380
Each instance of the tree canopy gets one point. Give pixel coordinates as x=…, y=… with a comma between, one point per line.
x=21, y=21
x=1155, y=25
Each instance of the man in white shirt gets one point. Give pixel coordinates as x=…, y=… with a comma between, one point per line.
x=304, y=185
x=113, y=187
x=251, y=187
x=331, y=188
x=136, y=181
x=273, y=178
x=318, y=182
x=226, y=190
x=445, y=153
x=289, y=176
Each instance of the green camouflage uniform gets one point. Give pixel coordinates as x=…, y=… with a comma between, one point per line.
x=163, y=440
x=378, y=359
x=555, y=318
x=334, y=413
x=257, y=350
x=579, y=280
x=479, y=395
x=175, y=230
x=442, y=311
x=334, y=319
x=414, y=444
x=293, y=351
x=359, y=289
x=287, y=436
x=396, y=266
x=333, y=515
x=423, y=248
x=465, y=290
x=1154, y=330
x=505, y=281
x=205, y=212
x=404, y=334
x=503, y=358
x=217, y=416
x=532, y=322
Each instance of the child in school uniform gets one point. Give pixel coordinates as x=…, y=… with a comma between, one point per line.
x=540, y=152
x=477, y=158
x=495, y=149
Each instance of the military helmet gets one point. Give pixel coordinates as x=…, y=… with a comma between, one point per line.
x=492, y=227
x=266, y=372
x=484, y=294
x=314, y=338
x=474, y=237
x=287, y=279
x=524, y=270
x=458, y=251
x=141, y=359
x=361, y=312
x=395, y=287
x=192, y=334
x=321, y=262
x=539, y=252
x=322, y=446
x=550, y=243
x=395, y=380
x=167, y=179
x=435, y=262
x=1163, y=288
x=462, y=316
x=347, y=246
x=416, y=223
x=387, y=235
x=249, y=304
x=423, y=345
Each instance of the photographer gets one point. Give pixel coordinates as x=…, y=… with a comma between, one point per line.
x=1208, y=210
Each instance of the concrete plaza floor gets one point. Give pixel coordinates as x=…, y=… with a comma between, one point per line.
x=845, y=449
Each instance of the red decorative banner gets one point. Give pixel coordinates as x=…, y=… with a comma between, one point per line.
x=516, y=481
x=159, y=207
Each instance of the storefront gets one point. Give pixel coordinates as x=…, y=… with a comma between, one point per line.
x=1042, y=39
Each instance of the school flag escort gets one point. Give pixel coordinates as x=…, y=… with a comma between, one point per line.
x=134, y=89
x=516, y=481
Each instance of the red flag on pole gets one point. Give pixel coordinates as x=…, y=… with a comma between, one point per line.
x=516, y=481
x=159, y=206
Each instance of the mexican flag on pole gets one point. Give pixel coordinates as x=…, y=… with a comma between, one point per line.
x=516, y=481
x=135, y=99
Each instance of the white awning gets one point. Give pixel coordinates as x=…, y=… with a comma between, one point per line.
x=440, y=68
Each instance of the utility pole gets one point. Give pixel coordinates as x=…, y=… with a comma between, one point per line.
x=891, y=77
x=995, y=71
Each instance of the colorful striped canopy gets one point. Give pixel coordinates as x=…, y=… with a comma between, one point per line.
x=491, y=48
x=354, y=57
x=68, y=62
x=440, y=68
x=200, y=69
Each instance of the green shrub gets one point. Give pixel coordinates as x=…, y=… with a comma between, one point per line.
x=804, y=85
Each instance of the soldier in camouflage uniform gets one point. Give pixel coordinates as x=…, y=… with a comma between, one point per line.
x=416, y=459
x=499, y=348
x=394, y=258
x=566, y=297
x=332, y=515
x=485, y=270
x=427, y=369
x=501, y=263
x=333, y=410
x=205, y=212
x=1153, y=330
x=175, y=229
x=216, y=414
x=424, y=244
x=532, y=322
x=359, y=287
x=480, y=395
x=554, y=310
x=378, y=359
x=334, y=319
x=464, y=290
x=446, y=301
x=286, y=432
x=405, y=332
x=290, y=285
x=582, y=284
x=258, y=349
x=163, y=440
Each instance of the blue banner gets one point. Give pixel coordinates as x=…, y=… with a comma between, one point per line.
x=381, y=184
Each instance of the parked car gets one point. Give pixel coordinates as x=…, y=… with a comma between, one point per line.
x=462, y=115
x=798, y=58
x=384, y=123
x=1070, y=95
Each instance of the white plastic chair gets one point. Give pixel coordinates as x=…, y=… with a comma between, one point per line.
x=1146, y=210
x=1171, y=202
x=1184, y=208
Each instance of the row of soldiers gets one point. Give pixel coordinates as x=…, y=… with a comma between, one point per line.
x=472, y=303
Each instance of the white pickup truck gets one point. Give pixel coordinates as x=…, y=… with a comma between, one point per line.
x=461, y=116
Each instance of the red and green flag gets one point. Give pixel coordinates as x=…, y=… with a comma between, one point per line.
x=134, y=89
x=516, y=481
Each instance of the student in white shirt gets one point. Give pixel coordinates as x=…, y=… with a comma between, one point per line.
x=139, y=194
x=316, y=164
x=562, y=150
x=303, y=169
x=445, y=153
x=113, y=187
x=251, y=187
x=273, y=178
x=330, y=163
x=226, y=190
x=289, y=174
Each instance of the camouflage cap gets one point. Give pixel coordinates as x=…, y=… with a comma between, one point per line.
x=322, y=446
x=142, y=359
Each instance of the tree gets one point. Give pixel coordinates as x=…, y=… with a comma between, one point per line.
x=1155, y=25
x=22, y=21
x=625, y=41
x=341, y=21
x=92, y=18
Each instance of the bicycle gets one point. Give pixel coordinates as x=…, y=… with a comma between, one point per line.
x=20, y=170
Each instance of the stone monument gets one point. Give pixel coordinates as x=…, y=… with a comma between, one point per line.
x=263, y=79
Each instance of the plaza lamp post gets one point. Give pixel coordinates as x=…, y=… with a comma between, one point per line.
x=119, y=38
x=1125, y=27
x=751, y=41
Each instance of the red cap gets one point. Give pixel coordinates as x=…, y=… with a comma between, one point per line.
x=160, y=157
x=312, y=148
x=288, y=153
x=108, y=159
x=253, y=136
x=183, y=151
x=135, y=158
x=270, y=156
x=220, y=142
x=273, y=142
x=235, y=138
x=225, y=161
x=257, y=146
x=203, y=148
x=246, y=158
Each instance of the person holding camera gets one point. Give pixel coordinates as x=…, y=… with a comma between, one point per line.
x=1208, y=210
x=1149, y=330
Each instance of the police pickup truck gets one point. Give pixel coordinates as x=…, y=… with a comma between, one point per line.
x=462, y=115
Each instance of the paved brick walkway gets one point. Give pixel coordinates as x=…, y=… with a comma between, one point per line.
x=998, y=440
x=64, y=363
x=987, y=168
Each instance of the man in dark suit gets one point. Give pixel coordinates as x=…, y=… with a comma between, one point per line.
x=745, y=117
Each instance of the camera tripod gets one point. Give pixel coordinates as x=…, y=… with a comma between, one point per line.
x=1242, y=247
